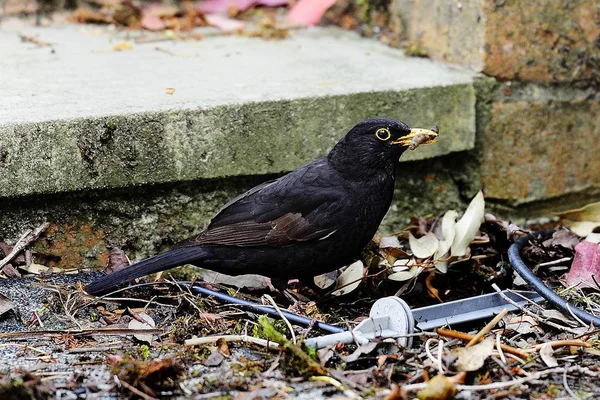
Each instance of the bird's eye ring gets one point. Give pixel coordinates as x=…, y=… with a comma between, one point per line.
x=383, y=134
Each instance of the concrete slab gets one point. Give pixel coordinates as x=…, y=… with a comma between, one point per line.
x=79, y=115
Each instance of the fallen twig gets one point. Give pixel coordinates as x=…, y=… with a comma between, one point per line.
x=276, y=307
x=477, y=338
x=466, y=338
x=78, y=332
x=232, y=338
x=559, y=343
x=133, y=389
x=532, y=314
x=23, y=241
x=500, y=385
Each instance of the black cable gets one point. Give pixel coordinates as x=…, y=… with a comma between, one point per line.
x=529, y=277
x=295, y=318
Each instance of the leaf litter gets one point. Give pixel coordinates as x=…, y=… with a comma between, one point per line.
x=159, y=340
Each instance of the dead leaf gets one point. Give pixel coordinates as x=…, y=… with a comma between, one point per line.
x=325, y=355
x=556, y=316
x=117, y=260
x=225, y=6
x=468, y=225
x=523, y=325
x=563, y=238
x=170, y=90
x=214, y=359
x=431, y=290
x=448, y=232
x=147, y=324
x=10, y=271
x=223, y=347
x=251, y=281
x=308, y=12
x=224, y=23
x=360, y=350
x=547, y=355
x=439, y=387
x=389, y=241
x=349, y=279
x=38, y=269
x=584, y=220
x=152, y=22
x=472, y=358
x=325, y=280
x=404, y=270
x=425, y=246
x=448, y=225
x=397, y=393
x=6, y=304
x=586, y=265
x=589, y=212
x=582, y=228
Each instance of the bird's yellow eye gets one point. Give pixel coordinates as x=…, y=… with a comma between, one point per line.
x=383, y=134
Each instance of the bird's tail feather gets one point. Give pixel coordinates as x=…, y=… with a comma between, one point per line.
x=169, y=259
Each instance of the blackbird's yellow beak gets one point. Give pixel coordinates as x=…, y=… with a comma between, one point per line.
x=417, y=137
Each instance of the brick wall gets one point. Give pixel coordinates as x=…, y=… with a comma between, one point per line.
x=540, y=137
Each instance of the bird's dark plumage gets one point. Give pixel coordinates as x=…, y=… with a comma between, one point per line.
x=308, y=222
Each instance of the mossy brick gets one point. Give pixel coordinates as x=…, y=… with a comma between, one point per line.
x=145, y=220
x=535, y=150
x=539, y=41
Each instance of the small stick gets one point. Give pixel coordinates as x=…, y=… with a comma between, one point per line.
x=231, y=338
x=487, y=328
x=25, y=239
x=555, y=262
x=276, y=307
x=559, y=343
x=465, y=337
x=132, y=389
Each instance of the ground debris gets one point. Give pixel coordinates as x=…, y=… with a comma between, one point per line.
x=195, y=346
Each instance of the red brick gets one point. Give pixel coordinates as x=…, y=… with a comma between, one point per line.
x=537, y=41
x=543, y=41
x=539, y=150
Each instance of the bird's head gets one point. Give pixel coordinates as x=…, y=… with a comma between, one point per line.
x=379, y=143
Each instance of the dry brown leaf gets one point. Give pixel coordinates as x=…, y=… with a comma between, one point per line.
x=467, y=227
x=147, y=324
x=547, y=355
x=439, y=387
x=350, y=278
x=425, y=246
x=472, y=358
x=432, y=291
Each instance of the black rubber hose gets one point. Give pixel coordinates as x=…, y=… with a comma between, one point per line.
x=295, y=318
x=514, y=257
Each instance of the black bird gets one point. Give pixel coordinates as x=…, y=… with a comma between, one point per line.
x=311, y=221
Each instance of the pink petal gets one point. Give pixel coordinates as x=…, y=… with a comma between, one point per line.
x=224, y=23
x=272, y=3
x=308, y=12
x=585, y=264
x=222, y=6
x=160, y=10
x=152, y=22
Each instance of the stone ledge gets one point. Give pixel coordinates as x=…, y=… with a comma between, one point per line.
x=81, y=116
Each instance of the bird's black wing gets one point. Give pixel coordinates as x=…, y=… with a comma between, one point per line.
x=298, y=207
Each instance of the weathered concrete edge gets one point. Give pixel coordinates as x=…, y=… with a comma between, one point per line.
x=229, y=140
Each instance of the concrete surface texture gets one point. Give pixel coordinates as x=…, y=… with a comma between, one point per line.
x=79, y=115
